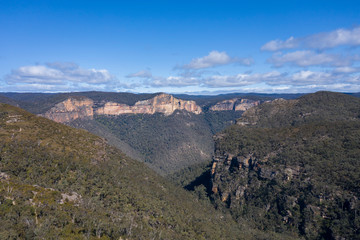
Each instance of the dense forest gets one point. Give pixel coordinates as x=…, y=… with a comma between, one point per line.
x=60, y=182
x=293, y=166
x=285, y=169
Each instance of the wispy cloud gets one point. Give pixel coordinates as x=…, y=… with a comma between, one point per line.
x=272, y=81
x=215, y=58
x=347, y=69
x=239, y=80
x=174, y=81
x=140, y=74
x=56, y=73
x=350, y=37
x=58, y=76
x=307, y=58
x=325, y=40
x=303, y=78
x=276, y=45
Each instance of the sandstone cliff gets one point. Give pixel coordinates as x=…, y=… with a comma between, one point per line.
x=163, y=103
x=74, y=108
x=71, y=109
x=235, y=104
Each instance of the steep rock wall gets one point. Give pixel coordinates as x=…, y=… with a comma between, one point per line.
x=235, y=104
x=71, y=109
x=74, y=108
x=163, y=103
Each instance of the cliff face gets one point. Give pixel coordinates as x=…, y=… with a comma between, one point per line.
x=74, y=108
x=71, y=109
x=162, y=103
x=235, y=104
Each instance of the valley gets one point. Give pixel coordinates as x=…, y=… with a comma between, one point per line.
x=243, y=167
x=165, y=132
x=179, y=120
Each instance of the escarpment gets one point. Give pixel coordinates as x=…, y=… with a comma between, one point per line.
x=163, y=103
x=78, y=108
x=235, y=104
x=71, y=109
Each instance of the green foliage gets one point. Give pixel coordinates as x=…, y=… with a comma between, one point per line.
x=219, y=120
x=167, y=143
x=295, y=168
x=307, y=109
x=186, y=176
x=59, y=182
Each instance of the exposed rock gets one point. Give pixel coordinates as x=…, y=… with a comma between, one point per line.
x=74, y=108
x=73, y=197
x=71, y=109
x=4, y=176
x=235, y=104
x=163, y=103
x=14, y=118
x=113, y=108
x=213, y=168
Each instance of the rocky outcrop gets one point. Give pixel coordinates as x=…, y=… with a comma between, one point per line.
x=287, y=193
x=286, y=163
x=163, y=103
x=81, y=107
x=235, y=104
x=71, y=109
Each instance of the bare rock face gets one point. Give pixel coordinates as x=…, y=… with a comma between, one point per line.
x=235, y=104
x=113, y=108
x=71, y=109
x=74, y=108
x=163, y=103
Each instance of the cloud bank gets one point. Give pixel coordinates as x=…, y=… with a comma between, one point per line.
x=140, y=74
x=58, y=75
x=325, y=40
x=307, y=58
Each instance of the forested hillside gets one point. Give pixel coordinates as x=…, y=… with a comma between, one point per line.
x=166, y=143
x=60, y=182
x=293, y=166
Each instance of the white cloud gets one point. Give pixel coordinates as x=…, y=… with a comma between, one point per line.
x=140, y=74
x=57, y=76
x=338, y=37
x=35, y=74
x=215, y=58
x=307, y=58
x=277, y=81
x=174, y=81
x=335, y=38
x=310, y=77
x=277, y=44
x=239, y=79
x=347, y=69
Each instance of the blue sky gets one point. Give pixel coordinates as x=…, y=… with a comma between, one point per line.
x=184, y=46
